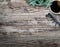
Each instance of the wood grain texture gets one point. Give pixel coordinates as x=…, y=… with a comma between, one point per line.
x=25, y=26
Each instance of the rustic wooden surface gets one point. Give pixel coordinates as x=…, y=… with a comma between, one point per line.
x=22, y=25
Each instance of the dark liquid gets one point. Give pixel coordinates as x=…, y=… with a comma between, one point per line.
x=54, y=7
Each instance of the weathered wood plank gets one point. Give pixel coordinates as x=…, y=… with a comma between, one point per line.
x=25, y=26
